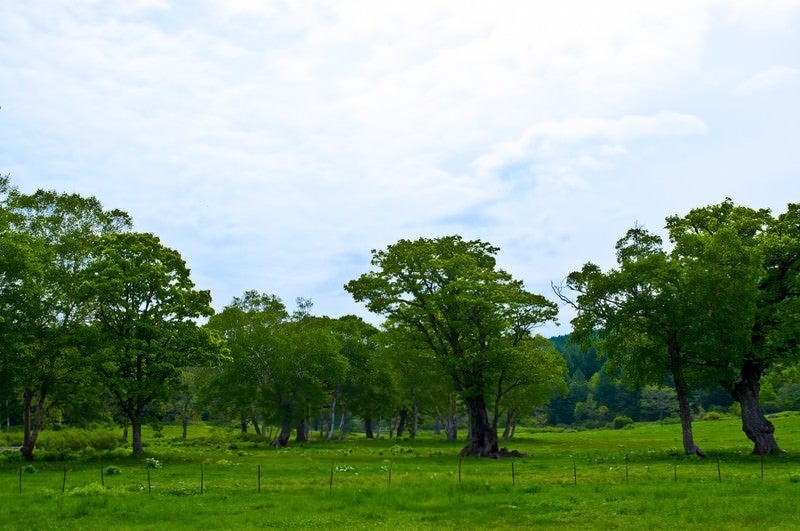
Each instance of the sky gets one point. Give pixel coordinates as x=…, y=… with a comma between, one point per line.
x=275, y=144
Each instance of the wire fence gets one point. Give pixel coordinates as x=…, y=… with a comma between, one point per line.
x=331, y=474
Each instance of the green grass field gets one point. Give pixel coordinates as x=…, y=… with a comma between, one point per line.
x=603, y=479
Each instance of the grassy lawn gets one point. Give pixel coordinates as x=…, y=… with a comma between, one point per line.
x=600, y=479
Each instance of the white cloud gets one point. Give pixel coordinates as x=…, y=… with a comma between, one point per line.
x=543, y=141
x=767, y=79
x=275, y=143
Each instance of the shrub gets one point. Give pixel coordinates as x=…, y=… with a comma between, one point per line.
x=112, y=470
x=72, y=439
x=621, y=421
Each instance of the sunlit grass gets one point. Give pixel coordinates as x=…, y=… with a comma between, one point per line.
x=626, y=479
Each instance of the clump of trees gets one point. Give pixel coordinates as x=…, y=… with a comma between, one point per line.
x=446, y=295
x=720, y=307
x=99, y=322
x=91, y=313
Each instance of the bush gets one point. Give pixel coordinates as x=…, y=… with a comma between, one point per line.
x=112, y=470
x=72, y=439
x=620, y=422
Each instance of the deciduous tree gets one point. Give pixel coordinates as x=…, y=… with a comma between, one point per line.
x=55, y=236
x=145, y=308
x=449, y=294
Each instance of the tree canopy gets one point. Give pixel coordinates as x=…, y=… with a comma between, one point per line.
x=449, y=295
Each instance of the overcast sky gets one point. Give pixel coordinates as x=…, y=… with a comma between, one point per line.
x=274, y=144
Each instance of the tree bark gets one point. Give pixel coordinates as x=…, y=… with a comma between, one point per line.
x=29, y=424
x=754, y=424
x=302, y=433
x=412, y=430
x=401, y=422
x=508, y=432
x=449, y=421
x=342, y=418
x=483, y=438
x=283, y=437
x=684, y=408
x=333, y=418
x=136, y=431
x=368, y=428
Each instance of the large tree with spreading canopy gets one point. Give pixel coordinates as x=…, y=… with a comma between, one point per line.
x=448, y=294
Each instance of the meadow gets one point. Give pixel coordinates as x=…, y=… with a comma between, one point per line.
x=600, y=479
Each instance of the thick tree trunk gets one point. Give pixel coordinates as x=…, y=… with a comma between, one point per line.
x=243, y=423
x=368, y=428
x=283, y=436
x=136, y=431
x=302, y=432
x=451, y=428
x=483, y=437
x=754, y=424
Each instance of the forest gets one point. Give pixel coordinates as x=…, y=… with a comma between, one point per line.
x=100, y=324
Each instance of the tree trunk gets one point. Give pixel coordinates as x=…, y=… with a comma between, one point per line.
x=333, y=418
x=449, y=421
x=412, y=430
x=401, y=422
x=508, y=431
x=254, y=421
x=243, y=423
x=483, y=438
x=342, y=419
x=185, y=426
x=754, y=424
x=302, y=433
x=283, y=437
x=124, y=438
x=368, y=428
x=136, y=431
x=32, y=419
x=684, y=409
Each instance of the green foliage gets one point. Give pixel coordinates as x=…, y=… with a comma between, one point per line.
x=146, y=307
x=72, y=439
x=112, y=470
x=448, y=296
x=620, y=422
